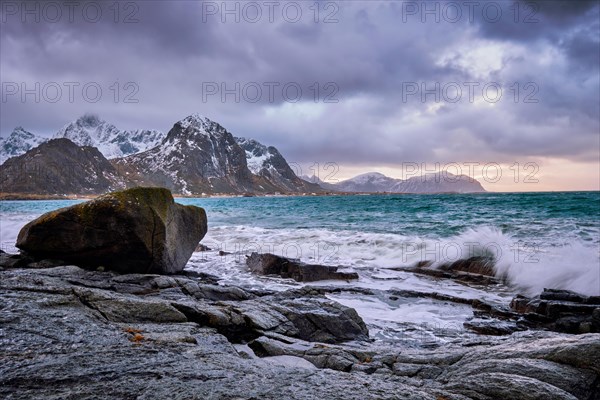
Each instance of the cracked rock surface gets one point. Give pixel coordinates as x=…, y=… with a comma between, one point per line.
x=70, y=333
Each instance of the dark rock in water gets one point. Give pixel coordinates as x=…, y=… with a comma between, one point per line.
x=492, y=327
x=560, y=310
x=270, y=264
x=201, y=248
x=563, y=295
x=522, y=304
x=473, y=265
x=139, y=230
x=474, y=270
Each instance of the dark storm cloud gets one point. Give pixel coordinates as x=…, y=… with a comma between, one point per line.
x=371, y=51
x=571, y=25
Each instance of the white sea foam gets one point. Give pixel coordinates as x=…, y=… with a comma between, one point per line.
x=530, y=267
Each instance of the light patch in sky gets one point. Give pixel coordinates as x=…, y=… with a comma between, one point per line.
x=305, y=110
x=480, y=58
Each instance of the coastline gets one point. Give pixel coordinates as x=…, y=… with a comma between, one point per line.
x=34, y=196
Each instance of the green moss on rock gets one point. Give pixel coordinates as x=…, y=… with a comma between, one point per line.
x=135, y=230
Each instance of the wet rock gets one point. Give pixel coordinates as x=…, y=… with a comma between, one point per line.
x=139, y=230
x=321, y=356
x=563, y=295
x=119, y=308
x=469, y=272
x=559, y=310
x=423, y=371
x=522, y=304
x=14, y=260
x=472, y=265
x=74, y=333
x=201, y=248
x=319, y=319
x=492, y=327
x=270, y=264
x=550, y=367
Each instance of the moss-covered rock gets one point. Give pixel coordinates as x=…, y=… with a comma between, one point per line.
x=139, y=230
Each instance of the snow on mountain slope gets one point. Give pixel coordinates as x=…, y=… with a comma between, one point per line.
x=268, y=163
x=438, y=182
x=257, y=154
x=369, y=182
x=374, y=182
x=90, y=130
x=197, y=156
x=200, y=156
x=18, y=142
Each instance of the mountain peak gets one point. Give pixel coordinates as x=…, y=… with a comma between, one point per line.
x=89, y=120
x=19, y=131
x=17, y=143
x=371, y=175
x=195, y=120
x=199, y=126
x=91, y=130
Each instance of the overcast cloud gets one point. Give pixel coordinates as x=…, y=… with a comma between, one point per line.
x=366, y=55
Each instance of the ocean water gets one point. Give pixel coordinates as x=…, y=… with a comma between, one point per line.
x=538, y=240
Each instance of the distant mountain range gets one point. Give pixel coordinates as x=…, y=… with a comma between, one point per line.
x=374, y=182
x=17, y=143
x=89, y=130
x=197, y=156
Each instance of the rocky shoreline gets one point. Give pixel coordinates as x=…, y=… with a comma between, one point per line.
x=73, y=333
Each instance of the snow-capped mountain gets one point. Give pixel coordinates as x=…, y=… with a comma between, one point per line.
x=200, y=156
x=17, y=143
x=90, y=130
x=437, y=183
x=369, y=182
x=197, y=156
x=374, y=182
x=59, y=166
x=269, y=164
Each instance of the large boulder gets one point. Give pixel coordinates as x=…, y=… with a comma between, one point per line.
x=139, y=230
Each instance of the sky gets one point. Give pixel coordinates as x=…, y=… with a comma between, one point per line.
x=507, y=92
